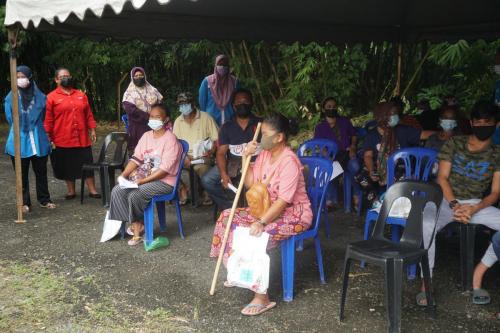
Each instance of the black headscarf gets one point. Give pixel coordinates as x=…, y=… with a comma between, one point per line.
x=28, y=93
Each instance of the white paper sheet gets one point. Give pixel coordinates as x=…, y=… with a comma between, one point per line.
x=198, y=161
x=337, y=170
x=232, y=188
x=125, y=183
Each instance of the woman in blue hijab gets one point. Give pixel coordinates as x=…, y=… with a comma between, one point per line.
x=35, y=145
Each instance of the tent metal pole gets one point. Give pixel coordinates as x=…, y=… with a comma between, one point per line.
x=12, y=35
x=397, y=90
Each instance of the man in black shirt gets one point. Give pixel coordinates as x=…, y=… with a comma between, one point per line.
x=233, y=137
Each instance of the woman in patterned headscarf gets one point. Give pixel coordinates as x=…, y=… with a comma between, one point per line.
x=216, y=91
x=137, y=101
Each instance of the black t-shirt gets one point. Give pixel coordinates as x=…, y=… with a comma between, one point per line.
x=236, y=137
x=406, y=136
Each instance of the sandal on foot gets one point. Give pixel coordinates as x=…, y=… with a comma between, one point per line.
x=135, y=240
x=48, y=205
x=95, y=195
x=26, y=209
x=70, y=196
x=228, y=285
x=480, y=296
x=261, y=308
x=421, y=299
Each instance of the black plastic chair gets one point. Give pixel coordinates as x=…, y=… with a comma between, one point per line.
x=112, y=156
x=381, y=251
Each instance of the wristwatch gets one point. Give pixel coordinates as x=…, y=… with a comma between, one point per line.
x=453, y=203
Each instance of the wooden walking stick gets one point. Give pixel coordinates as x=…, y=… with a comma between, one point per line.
x=231, y=214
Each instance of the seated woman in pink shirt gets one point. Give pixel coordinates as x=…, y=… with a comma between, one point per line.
x=153, y=166
x=290, y=210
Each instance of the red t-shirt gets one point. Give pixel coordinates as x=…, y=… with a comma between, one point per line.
x=68, y=118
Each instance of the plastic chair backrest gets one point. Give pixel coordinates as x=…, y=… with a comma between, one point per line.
x=125, y=121
x=360, y=132
x=185, y=149
x=114, y=149
x=317, y=174
x=419, y=194
x=318, y=148
x=418, y=163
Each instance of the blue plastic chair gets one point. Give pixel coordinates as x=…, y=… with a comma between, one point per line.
x=418, y=165
x=319, y=171
x=125, y=121
x=159, y=201
x=323, y=148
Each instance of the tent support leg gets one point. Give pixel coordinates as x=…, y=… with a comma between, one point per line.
x=12, y=35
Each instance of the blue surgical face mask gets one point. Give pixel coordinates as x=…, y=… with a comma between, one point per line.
x=448, y=124
x=393, y=120
x=185, y=109
x=155, y=124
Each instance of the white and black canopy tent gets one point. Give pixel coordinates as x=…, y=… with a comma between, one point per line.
x=271, y=20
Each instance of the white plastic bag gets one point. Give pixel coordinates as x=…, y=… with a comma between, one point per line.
x=248, y=265
x=110, y=229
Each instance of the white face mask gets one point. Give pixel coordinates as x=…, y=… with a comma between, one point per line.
x=393, y=120
x=496, y=69
x=155, y=124
x=23, y=82
x=185, y=109
x=448, y=124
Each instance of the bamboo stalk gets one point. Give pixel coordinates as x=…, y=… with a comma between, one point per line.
x=231, y=214
x=397, y=90
x=12, y=35
x=416, y=71
x=252, y=71
x=118, y=99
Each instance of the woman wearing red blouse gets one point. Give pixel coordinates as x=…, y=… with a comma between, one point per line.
x=70, y=125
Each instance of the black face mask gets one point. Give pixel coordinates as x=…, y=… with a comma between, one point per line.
x=66, y=82
x=483, y=133
x=243, y=110
x=140, y=82
x=331, y=113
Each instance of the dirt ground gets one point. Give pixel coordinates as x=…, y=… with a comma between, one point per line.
x=55, y=276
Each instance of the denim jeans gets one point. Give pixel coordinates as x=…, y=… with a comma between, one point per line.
x=211, y=182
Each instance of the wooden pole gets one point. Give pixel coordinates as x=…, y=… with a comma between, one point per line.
x=231, y=214
x=12, y=36
x=397, y=90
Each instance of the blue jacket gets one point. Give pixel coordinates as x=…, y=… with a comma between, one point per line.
x=34, y=139
x=207, y=104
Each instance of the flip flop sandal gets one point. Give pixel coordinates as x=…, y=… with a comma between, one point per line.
x=228, y=285
x=261, y=308
x=70, y=196
x=135, y=240
x=421, y=298
x=26, y=209
x=480, y=297
x=48, y=205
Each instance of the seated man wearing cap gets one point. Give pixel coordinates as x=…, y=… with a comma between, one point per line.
x=200, y=131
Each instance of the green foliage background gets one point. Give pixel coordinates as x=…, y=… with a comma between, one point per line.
x=289, y=78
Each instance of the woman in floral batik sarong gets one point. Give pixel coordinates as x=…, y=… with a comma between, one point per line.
x=290, y=210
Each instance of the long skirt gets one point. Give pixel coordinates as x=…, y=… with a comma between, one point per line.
x=128, y=204
x=67, y=162
x=285, y=226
